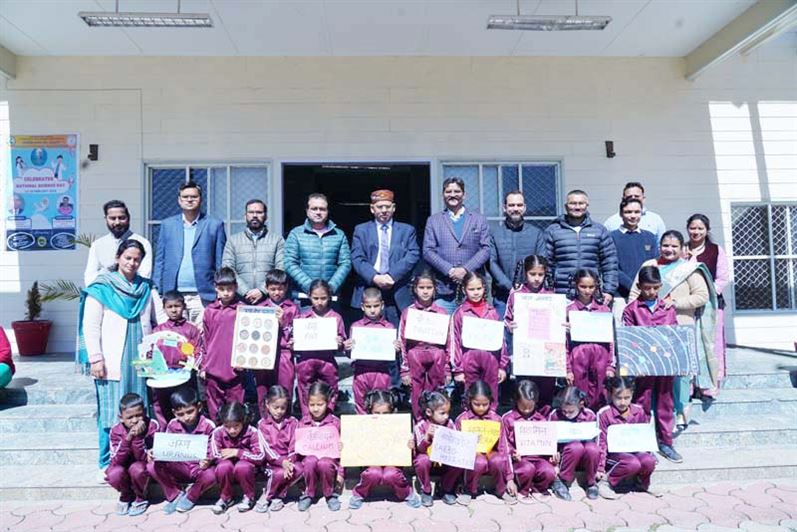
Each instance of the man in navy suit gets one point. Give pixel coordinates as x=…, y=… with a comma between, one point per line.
x=189, y=251
x=384, y=254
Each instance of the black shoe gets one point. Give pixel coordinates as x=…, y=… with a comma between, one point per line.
x=592, y=492
x=561, y=490
x=670, y=454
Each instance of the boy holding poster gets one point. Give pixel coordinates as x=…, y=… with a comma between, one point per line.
x=370, y=374
x=436, y=408
x=471, y=364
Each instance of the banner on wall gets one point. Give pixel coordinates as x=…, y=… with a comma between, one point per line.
x=41, y=204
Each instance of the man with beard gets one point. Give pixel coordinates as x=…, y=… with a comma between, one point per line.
x=102, y=253
x=510, y=243
x=253, y=252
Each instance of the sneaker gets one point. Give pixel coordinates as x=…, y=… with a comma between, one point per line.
x=246, y=504
x=276, y=505
x=304, y=503
x=592, y=492
x=220, y=507
x=606, y=491
x=450, y=499
x=185, y=505
x=464, y=499
x=122, y=508
x=427, y=500
x=170, y=506
x=262, y=504
x=138, y=508
x=333, y=503
x=561, y=490
x=355, y=502
x=670, y=454
x=413, y=501
x=508, y=498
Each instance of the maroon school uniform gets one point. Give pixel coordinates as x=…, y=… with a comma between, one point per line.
x=588, y=362
x=222, y=383
x=426, y=364
x=171, y=474
x=390, y=476
x=654, y=389
x=320, y=471
x=546, y=385
x=127, y=472
x=495, y=463
x=280, y=440
x=370, y=374
x=161, y=397
x=423, y=464
x=314, y=366
x=284, y=371
x=476, y=364
x=251, y=453
x=622, y=466
x=577, y=454
x=534, y=473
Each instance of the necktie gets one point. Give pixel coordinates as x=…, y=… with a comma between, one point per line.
x=384, y=251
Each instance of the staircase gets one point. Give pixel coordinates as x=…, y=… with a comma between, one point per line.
x=48, y=438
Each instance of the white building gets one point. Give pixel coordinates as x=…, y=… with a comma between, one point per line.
x=283, y=97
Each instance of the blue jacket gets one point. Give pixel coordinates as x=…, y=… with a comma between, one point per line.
x=207, y=253
x=568, y=250
x=309, y=257
x=508, y=246
x=404, y=255
x=632, y=250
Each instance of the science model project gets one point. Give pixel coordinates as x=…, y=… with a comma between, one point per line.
x=152, y=355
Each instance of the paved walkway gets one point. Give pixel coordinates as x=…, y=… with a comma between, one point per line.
x=756, y=506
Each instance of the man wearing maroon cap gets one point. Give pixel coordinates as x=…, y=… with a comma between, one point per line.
x=384, y=254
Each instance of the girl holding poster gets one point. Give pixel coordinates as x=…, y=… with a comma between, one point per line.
x=588, y=364
x=436, y=408
x=471, y=364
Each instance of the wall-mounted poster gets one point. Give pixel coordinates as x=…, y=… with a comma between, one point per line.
x=41, y=203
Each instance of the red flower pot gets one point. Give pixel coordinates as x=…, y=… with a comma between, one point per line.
x=32, y=336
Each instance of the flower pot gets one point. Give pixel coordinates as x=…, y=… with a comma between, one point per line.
x=32, y=336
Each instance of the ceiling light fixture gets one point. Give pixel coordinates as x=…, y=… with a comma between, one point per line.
x=547, y=23
x=116, y=19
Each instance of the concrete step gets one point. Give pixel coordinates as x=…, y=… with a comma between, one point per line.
x=47, y=379
x=733, y=403
x=48, y=418
x=741, y=431
x=711, y=465
x=775, y=379
x=56, y=448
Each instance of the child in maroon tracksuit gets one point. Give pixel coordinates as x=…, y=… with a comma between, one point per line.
x=370, y=374
x=237, y=449
x=495, y=462
x=131, y=440
x=435, y=407
x=284, y=371
x=312, y=366
x=174, y=306
x=324, y=471
x=223, y=383
x=424, y=367
x=588, y=364
x=471, y=365
x=649, y=310
x=200, y=475
x=535, y=270
x=382, y=402
x=615, y=468
x=279, y=433
x=575, y=454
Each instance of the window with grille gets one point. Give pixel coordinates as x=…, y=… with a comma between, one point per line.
x=765, y=256
x=225, y=191
x=487, y=183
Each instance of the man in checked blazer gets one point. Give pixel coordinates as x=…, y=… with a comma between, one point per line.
x=456, y=241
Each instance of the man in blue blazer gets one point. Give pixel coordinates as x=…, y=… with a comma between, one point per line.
x=384, y=254
x=189, y=251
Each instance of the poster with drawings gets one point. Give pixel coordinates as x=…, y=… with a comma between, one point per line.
x=538, y=341
x=254, y=344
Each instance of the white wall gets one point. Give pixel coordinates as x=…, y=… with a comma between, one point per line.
x=192, y=108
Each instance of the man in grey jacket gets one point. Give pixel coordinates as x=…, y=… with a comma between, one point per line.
x=253, y=252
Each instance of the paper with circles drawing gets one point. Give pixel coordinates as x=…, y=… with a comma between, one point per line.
x=254, y=344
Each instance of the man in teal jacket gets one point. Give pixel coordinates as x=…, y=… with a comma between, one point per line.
x=317, y=249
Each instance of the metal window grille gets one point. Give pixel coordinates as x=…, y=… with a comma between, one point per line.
x=764, y=240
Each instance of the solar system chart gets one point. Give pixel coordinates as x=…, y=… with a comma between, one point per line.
x=657, y=351
x=254, y=345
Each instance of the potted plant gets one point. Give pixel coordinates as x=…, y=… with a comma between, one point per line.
x=32, y=333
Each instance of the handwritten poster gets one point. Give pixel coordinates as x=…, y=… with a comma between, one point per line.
x=478, y=333
x=429, y=327
x=594, y=327
x=454, y=448
x=488, y=431
x=567, y=431
x=538, y=341
x=322, y=442
x=632, y=438
x=664, y=350
x=373, y=343
x=254, y=343
x=539, y=359
x=171, y=447
x=41, y=203
x=535, y=438
x=315, y=334
x=376, y=440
